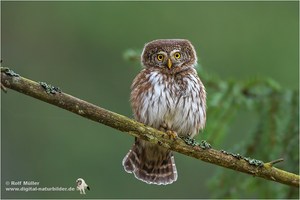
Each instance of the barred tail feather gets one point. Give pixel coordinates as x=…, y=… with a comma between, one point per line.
x=160, y=172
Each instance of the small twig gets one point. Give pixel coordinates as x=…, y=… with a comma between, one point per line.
x=271, y=163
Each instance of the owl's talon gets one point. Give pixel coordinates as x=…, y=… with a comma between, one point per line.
x=172, y=134
x=163, y=127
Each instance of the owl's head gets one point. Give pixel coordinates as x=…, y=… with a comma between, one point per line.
x=169, y=54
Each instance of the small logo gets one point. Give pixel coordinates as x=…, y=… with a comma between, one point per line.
x=81, y=185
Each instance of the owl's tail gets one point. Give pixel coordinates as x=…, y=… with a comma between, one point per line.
x=150, y=163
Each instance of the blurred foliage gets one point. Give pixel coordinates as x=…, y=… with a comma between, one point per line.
x=275, y=133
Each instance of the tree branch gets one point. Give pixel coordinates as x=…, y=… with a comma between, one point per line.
x=54, y=96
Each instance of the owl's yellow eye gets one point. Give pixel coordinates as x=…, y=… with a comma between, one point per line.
x=177, y=55
x=160, y=57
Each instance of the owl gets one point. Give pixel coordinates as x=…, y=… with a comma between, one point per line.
x=167, y=95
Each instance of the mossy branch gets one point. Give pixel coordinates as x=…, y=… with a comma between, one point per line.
x=203, y=151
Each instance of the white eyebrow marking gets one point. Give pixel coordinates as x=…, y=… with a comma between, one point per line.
x=174, y=51
x=162, y=52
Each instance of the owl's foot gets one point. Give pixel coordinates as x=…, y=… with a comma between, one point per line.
x=164, y=128
x=172, y=134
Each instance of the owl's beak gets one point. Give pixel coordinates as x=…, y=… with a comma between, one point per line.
x=169, y=63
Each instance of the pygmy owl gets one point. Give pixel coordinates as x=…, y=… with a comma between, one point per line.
x=167, y=95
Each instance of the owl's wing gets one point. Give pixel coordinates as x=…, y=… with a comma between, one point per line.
x=140, y=79
x=140, y=86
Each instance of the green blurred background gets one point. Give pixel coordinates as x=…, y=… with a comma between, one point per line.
x=79, y=47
